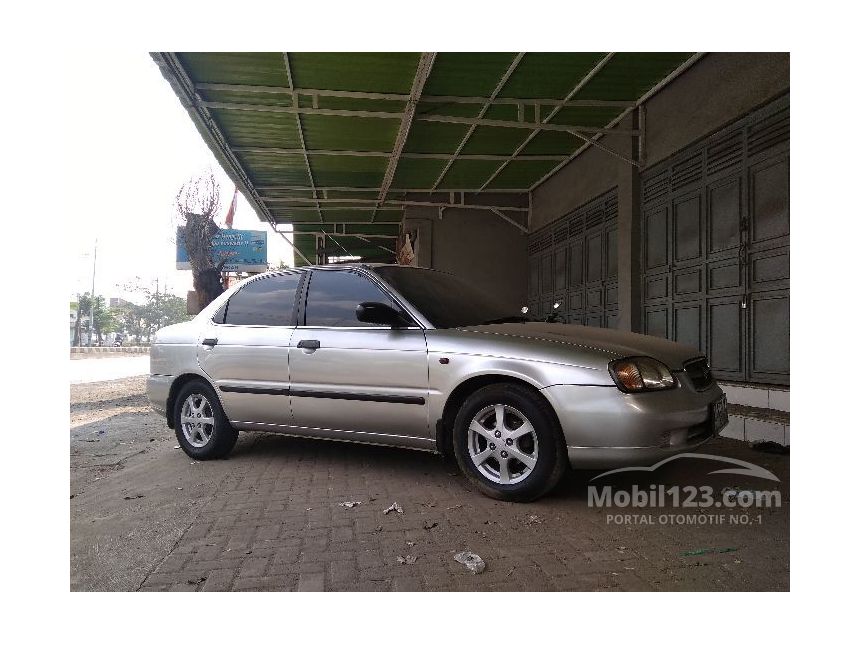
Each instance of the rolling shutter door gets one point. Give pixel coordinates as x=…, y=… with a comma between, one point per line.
x=574, y=261
x=715, y=248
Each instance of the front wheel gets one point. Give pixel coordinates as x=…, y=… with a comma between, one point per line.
x=201, y=426
x=508, y=443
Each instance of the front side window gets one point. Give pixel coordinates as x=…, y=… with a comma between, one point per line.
x=268, y=301
x=334, y=295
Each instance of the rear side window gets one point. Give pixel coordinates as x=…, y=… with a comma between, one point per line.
x=334, y=295
x=267, y=301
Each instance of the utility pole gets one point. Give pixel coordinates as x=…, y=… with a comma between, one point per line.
x=93, y=292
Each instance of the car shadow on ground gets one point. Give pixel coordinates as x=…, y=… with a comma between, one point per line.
x=686, y=471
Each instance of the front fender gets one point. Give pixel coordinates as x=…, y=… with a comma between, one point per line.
x=449, y=370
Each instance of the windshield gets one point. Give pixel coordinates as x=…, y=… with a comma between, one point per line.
x=445, y=300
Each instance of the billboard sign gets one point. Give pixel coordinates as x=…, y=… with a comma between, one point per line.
x=246, y=250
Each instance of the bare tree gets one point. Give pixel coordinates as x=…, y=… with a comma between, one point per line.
x=197, y=204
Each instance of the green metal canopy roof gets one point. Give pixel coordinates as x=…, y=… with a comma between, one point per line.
x=341, y=143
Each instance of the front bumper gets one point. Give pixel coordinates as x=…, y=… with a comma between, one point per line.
x=606, y=428
x=590, y=458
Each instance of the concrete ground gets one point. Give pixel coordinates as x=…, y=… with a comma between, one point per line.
x=146, y=517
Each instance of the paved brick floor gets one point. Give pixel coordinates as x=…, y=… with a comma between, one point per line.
x=144, y=516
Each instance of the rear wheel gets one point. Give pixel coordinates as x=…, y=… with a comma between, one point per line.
x=202, y=428
x=508, y=443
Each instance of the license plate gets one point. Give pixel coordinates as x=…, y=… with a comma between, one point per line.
x=719, y=414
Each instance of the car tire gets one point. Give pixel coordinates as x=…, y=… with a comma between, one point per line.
x=522, y=460
x=201, y=426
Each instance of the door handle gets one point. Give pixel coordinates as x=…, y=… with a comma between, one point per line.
x=210, y=342
x=308, y=344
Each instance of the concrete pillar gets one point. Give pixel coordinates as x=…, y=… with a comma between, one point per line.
x=629, y=236
x=629, y=239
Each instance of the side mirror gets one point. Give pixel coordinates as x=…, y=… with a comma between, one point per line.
x=378, y=313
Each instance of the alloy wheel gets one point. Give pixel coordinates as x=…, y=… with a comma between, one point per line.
x=503, y=444
x=197, y=419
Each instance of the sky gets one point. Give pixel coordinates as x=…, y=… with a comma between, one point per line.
x=136, y=145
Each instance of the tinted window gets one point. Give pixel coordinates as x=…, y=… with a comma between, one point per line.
x=334, y=295
x=445, y=300
x=267, y=301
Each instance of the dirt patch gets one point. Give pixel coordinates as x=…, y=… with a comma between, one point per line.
x=107, y=396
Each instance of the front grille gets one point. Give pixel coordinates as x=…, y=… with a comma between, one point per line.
x=699, y=373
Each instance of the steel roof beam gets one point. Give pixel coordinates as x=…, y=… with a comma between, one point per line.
x=403, y=155
x=358, y=235
x=486, y=106
x=352, y=208
x=339, y=223
x=641, y=101
x=582, y=83
x=575, y=130
x=301, y=130
x=422, y=73
x=511, y=221
x=401, y=202
x=515, y=191
x=380, y=96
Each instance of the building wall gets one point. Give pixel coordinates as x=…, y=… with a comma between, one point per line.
x=717, y=90
x=476, y=245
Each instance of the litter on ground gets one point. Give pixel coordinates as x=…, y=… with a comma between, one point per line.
x=472, y=561
x=728, y=549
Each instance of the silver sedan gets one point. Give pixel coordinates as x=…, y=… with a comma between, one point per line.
x=417, y=358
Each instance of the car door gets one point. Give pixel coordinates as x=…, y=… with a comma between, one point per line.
x=245, y=350
x=354, y=377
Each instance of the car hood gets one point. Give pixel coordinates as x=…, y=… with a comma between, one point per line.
x=610, y=342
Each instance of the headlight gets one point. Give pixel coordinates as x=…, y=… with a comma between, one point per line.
x=641, y=374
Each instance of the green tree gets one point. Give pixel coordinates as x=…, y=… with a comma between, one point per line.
x=105, y=319
x=131, y=320
x=162, y=309
x=158, y=310
x=84, y=305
